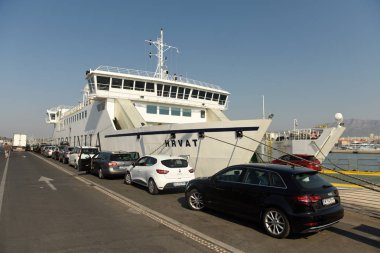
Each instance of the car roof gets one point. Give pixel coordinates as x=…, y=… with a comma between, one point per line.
x=116, y=152
x=280, y=168
x=164, y=157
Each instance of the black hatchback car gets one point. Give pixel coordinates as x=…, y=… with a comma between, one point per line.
x=282, y=198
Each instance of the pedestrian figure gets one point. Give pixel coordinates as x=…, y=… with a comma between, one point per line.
x=7, y=149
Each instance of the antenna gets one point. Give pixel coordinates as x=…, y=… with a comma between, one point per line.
x=161, y=70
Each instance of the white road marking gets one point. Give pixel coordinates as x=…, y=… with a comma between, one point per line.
x=48, y=182
x=2, y=184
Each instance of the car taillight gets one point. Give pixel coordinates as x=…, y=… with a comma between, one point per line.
x=308, y=199
x=191, y=170
x=112, y=164
x=162, y=171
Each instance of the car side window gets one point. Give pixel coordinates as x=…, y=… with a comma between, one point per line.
x=232, y=175
x=257, y=177
x=276, y=181
x=142, y=161
x=151, y=161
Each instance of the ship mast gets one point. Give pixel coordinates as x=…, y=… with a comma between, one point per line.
x=161, y=69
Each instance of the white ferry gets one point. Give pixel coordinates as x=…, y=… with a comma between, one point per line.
x=158, y=113
x=317, y=142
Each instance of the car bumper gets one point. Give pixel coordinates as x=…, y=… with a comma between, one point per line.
x=312, y=222
x=114, y=172
x=175, y=185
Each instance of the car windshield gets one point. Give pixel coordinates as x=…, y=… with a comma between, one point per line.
x=89, y=151
x=310, y=180
x=175, y=163
x=121, y=157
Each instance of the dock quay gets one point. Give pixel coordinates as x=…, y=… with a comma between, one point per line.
x=356, y=151
x=361, y=200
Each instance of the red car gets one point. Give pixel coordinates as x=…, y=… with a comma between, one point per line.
x=307, y=161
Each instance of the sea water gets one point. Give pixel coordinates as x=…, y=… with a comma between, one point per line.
x=352, y=161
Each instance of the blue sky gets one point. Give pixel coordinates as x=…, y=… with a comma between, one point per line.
x=310, y=59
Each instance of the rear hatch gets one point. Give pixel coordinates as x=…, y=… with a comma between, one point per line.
x=120, y=161
x=177, y=169
x=315, y=191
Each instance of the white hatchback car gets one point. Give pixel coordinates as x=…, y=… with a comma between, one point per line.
x=81, y=153
x=159, y=172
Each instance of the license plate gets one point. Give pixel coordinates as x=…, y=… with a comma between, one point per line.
x=328, y=201
x=179, y=184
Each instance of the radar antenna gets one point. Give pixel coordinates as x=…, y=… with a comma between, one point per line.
x=161, y=70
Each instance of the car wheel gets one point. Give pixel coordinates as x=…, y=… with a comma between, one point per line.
x=276, y=223
x=195, y=200
x=152, y=187
x=100, y=174
x=128, y=178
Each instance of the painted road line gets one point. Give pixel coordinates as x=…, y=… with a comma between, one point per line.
x=350, y=172
x=2, y=185
x=170, y=223
x=346, y=185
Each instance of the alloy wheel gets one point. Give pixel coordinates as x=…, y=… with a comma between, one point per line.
x=276, y=223
x=195, y=200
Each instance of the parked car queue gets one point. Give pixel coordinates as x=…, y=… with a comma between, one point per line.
x=283, y=199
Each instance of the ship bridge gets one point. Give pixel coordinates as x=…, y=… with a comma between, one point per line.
x=135, y=85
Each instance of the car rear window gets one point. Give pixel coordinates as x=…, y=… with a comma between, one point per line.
x=310, y=180
x=90, y=151
x=309, y=158
x=121, y=157
x=175, y=163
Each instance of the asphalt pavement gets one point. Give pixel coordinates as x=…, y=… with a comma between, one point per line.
x=49, y=207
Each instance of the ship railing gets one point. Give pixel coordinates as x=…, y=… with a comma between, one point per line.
x=296, y=134
x=354, y=164
x=168, y=77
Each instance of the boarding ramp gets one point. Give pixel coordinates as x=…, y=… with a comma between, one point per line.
x=216, y=115
x=126, y=115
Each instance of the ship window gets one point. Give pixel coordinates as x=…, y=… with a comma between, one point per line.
x=128, y=84
x=194, y=94
x=140, y=85
x=159, y=89
x=203, y=114
x=208, y=95
x=164, y=110
x=150, y=87
x=166, y=90
x=173, y=92
x=187, y=92
x=175, y=111
x=186, y=112
x=151, y=109
x=215, y=97
x=222, y=99
x=85, y=114
x=116, y=83
x=103, y=82
x=202, y=94
x=180, y=92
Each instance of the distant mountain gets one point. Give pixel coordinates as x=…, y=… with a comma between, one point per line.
x=360, y=128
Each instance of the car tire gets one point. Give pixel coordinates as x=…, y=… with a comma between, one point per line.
x=275, y=223
x=128, y=178
x=100, y=174
x=194, y=200
x=152, y=187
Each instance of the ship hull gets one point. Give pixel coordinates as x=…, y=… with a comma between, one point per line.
x=209, y=146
